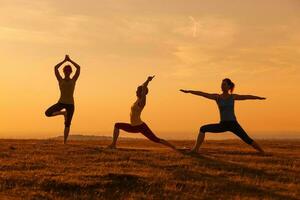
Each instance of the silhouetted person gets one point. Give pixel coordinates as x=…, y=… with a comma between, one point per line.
x=225, y=102
x=136, y=124
x=65, y=105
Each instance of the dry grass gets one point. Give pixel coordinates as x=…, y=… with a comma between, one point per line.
x=46, y=169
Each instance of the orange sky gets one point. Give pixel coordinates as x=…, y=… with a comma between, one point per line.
x=187, y=44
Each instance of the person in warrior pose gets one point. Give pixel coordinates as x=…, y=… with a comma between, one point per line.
x=65, y=105
x=228, y=122
x=136, y=124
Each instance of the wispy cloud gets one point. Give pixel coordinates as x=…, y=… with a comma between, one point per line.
x=196, y=25
x=120, y=42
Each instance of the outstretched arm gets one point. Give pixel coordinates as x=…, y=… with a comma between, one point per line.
x=57, y=74
x=246, y=97
x=77, y=73
x=202, y=94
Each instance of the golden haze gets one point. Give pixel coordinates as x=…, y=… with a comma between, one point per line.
x=119, y=43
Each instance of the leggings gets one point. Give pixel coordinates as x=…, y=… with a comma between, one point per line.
x=58, y=107
x=223, y=126
x=143, y=128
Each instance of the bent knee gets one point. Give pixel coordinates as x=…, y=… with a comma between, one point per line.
x=48, y=114
x=202, y=129
x=117, y=125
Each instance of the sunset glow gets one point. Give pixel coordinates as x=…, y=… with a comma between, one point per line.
x=187, y=44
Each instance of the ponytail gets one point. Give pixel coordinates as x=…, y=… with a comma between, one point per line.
x=230, y=84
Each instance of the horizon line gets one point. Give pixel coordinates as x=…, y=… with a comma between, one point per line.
x=225, y=136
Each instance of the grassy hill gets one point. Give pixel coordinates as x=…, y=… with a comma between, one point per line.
x=47, y=169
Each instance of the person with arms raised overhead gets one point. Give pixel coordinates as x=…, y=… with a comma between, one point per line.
x=136, y=125
x=65, y=104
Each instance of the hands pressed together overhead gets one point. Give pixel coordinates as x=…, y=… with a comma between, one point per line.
x=150, y=78
x=67, y=58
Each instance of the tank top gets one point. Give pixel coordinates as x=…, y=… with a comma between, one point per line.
x=66, y=91
x=135, y=114
x=226, y=108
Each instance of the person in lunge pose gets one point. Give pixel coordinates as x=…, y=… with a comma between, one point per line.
x=136, y=125
x=228, y=122
x=65, y=105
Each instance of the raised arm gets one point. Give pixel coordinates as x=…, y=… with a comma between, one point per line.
x=77, y=73
x=57, y=74
x=145, y=85
x=247, y=97
x=142, y=99
x=202, y=94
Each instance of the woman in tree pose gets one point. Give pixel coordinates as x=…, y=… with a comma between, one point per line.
x=136, y=124
x=65, y=105
x=225, y=102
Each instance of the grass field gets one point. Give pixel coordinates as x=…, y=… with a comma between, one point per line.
x=47, y=169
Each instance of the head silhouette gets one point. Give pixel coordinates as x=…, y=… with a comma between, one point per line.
x=227, y=85
x=139, y=91
x=67, y=70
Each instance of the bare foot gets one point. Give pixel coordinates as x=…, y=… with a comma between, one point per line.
x=193, y=151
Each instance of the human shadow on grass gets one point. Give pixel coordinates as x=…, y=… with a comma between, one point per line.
x=241, y=169
x=183, y=173
x=219, y=184
x=234, y=152
x=119, y=186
